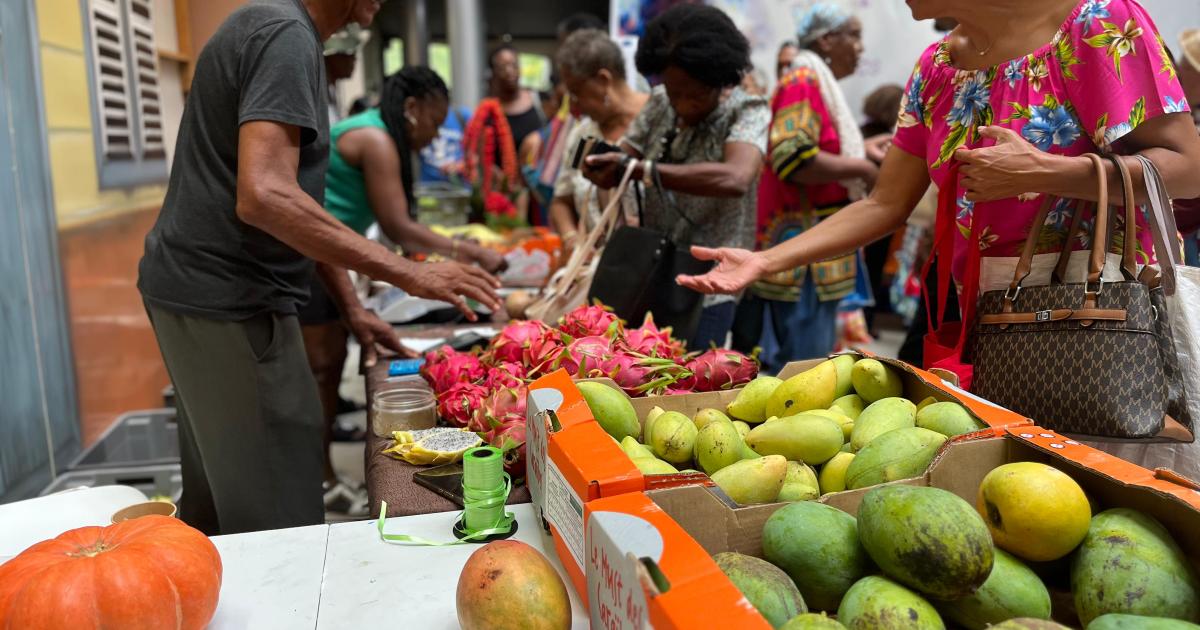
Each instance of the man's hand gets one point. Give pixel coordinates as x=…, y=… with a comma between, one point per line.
x=491, y=260
x=373, y=333
x=736, y=269
x=604, y=170
x=451, y=281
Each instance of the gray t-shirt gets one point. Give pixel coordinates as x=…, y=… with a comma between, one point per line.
x=264, y=63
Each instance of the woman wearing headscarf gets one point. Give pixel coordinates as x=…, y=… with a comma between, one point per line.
x=817, y=165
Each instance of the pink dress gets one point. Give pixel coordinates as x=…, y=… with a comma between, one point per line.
x=1105, y=72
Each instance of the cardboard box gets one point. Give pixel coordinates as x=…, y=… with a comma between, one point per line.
x=699, y=597
x=572, y=461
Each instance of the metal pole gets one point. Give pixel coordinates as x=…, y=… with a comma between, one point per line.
x=464, y=29
x=416, y=34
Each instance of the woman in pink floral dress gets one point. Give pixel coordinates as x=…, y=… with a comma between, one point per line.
x=1013, y=97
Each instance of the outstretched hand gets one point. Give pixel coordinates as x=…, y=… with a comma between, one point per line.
x=1002, y=171
x=372, y=333
x=450, y=281
x=736, y=269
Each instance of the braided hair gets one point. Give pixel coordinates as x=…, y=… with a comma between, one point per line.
x=418, y=82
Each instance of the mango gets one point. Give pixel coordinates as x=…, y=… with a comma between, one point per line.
x=929, y=400
x=751, y=403
x=1029, y=624
x=877, y=603
x=505, y=584
x=948, y=418
x=673, y=438
x=812, y=389
x=747, y=453
x=804, y=438
x=842, y=420
x=846, y=448
x=1035, y=511
x=753, y=481
x=705, y=417
x=635, y=449
x=818, y=546
x=743, y=429
x=1011, y=591
x=768, y=589
x=1128, y=563
x=812, y=621
x=717, y=446
x=833, y=473
x=850, y=404
x=875, y=381
x=647, y=425
x=1116, y=621
x=895, y=455
x=845, y=367
x=612, y=409
x=927, y=539
x=880, y=417
x=654, y=466
x=799, y=484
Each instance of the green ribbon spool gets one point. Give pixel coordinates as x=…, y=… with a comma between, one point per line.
x=485, y=492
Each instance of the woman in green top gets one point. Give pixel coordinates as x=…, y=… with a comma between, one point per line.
x=370, y=179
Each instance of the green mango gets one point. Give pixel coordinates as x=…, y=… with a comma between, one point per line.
x=1114, y=621
x=753, y=481
x=850, y=405
x=1011, y=591
x=751, y=403
x=877, y=603
x=817, y=545
x=612, y=409
x=673, y=438
x=895, y=455
x=880, y=417
x=948, y=418
x=875, y=381
x=767, y=588
x=717, y=446
x=804, y=438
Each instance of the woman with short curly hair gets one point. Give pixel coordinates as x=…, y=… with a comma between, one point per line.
x=699, y=142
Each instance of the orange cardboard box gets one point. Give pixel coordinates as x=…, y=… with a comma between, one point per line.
x=675, y=588
x=572, y=461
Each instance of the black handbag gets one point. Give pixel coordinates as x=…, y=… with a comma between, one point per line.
x=637, y=271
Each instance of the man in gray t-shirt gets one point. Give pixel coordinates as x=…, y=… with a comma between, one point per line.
x=227, y=263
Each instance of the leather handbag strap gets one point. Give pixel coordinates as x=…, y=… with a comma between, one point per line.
x=1099, y=235
x=1059, y=275
x=1025, y=263
x=1130, y=240
x=1162, y=224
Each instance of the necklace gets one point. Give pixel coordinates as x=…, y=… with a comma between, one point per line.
x=985, y=51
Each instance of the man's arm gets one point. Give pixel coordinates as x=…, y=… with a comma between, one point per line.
x=365, y=325
x=269, y=198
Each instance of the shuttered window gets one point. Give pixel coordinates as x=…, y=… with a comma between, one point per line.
x=127, y=104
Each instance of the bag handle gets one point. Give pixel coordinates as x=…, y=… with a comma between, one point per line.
x=943, y=249
x=1129, y=244
x=1099, y=243
x=1064, y=258
x=604, y=227
x=1162, y=224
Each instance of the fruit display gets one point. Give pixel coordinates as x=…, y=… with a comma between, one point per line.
x=484, y=391
x=789, y=440
x=426, y=447
x=148, y=572
x=509, y=585
x=920, y=557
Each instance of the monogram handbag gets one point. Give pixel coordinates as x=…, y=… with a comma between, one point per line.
x=1081, y=358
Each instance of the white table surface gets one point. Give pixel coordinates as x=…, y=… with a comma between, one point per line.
x=343, y=576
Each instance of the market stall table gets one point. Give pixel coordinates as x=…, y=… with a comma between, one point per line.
x=343, y=576
x=390, y=479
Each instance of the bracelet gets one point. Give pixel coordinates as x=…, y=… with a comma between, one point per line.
x=454, y=249
x=569, y=236
x=648, y=173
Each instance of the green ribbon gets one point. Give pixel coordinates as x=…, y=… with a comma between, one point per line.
x=485, y=491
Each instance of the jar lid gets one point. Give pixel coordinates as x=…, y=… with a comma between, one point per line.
x=404, y=399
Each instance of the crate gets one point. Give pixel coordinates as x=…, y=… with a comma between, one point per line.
x=137, y=438
x=153, y=480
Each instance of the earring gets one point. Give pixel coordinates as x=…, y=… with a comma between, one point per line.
x=412, y=120
x=606, y=99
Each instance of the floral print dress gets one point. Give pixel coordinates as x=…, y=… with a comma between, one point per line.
x=1105, y=73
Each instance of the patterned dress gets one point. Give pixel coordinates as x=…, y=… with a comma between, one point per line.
x=1105, y=73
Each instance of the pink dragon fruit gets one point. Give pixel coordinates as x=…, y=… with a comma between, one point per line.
x=502, y=406
x=719, y=369
x=543, y=353
x=510, y=439
x=458, y=404
x=506, y=374
x=512, y=342
x=591, y=321
x=586, y=356
x=445, y=367
x=641, y=375
x=649, y=340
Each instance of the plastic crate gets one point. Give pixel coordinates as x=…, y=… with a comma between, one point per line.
x=137, y=438
x=161, y=479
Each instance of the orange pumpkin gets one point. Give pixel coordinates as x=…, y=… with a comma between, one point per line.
x=150, y=572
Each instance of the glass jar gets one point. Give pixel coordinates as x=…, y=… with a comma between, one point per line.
x=403, y=409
